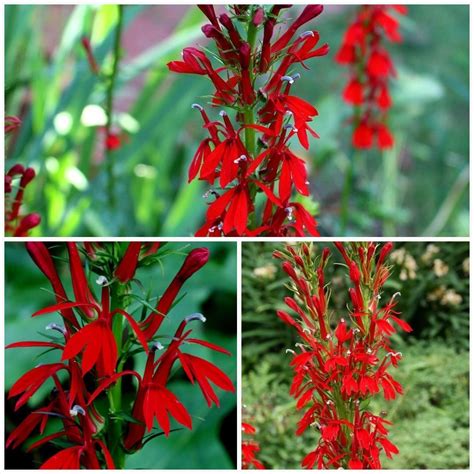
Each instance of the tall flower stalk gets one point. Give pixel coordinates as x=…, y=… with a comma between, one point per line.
x=370, y=68
x=112, y=140
x=247, y=153
x=342, y=362
x=96, y=339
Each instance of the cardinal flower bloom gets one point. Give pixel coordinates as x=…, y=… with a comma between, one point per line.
x=92, y=345
x=342, y=364
x=370, y=70
x=253, y=156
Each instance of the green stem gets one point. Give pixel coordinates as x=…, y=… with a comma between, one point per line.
x=249, y=117
x=115, y=393
x=346, y=193
x=389, y=191
x=109, y=107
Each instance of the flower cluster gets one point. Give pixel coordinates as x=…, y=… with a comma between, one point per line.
x=370, y=68
x=93, y=346
x=17, y=179
x=254, y=81
x=338, y=368
x=250, y=448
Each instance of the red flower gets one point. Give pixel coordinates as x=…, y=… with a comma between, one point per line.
x=112, y=141
x=371, y=67
x=15, y=223
x=127, y=266
x=68, y=458
x=335, y=372
x=363, y=136
x=195, y=260
x=250, y=448
x=203, y=371
x=354, y=92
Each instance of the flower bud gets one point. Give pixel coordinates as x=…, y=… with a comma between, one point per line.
x=258, y=16
x=386, y=249
x=27, y=177
x=354, y=273
x=126, y=268
x=26, y=224
x=196, y=259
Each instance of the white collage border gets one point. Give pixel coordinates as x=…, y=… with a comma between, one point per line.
x=6, y=240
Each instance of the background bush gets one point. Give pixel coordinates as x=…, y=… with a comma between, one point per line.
x=212, y=442
x=431, y=420
x=418, y=188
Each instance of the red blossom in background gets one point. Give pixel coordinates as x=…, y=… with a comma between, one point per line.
x=92, y=344
x=250, y=448
x=370, y=70
x=16, y=180
x=340, y=365
x=253, y=157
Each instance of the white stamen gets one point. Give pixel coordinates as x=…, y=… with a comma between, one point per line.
x=396, y=294
x=296, y=76
x=195, y=317
x=348, y=353
x=288, y=79
x=223, y=113
x=197, y=107
x=288, y=126
x=291, y=351
x=328, y=336
x=239, y=159
x=343, y=320
x=56, y=327
x=289, y=213
x=158, y=345
x=394, y=354
x=369, y=351
x=102, y=280
x=306, y=34
x=77, y=409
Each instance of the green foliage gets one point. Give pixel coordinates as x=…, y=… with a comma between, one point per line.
x=434, y=282
x=262, y=294
x=52, y=88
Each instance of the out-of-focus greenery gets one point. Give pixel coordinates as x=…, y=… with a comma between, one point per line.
x=431, y=420
x=418, y=188
x=211, y=443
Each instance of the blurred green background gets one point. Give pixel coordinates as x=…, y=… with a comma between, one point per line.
x=431, y=419
x=212, y=442
x=418, y=188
